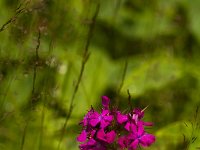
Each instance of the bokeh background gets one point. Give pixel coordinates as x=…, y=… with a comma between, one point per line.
x=149, y=47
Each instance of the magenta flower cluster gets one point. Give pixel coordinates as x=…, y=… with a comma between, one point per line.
x=113, y=130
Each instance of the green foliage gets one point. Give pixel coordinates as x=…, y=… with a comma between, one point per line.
x=42, y=45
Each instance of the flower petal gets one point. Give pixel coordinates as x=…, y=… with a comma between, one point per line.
x=132, y=136
x=108, y=118
x=101, y=135
x=94, y=122
x=140, y=128
x=91, y=142
x=121, y=118
x=82, y=137
x=105, y=113
x=128, y=126
x=110, y=136
x=147, y=139
x=104, y=124
x=122, y=142
x=88, y=145
x=105, y=102
x=134, y=145
x=138, y=112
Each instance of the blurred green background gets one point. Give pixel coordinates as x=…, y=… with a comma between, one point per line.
x=42, y=45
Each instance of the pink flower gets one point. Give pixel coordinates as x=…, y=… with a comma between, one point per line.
x=87, y=118
x=131, y=119
x=101, y=129
x=82, y=137
x=121, y=118
x=89, y=133
x=104, y=119
x=136, y=137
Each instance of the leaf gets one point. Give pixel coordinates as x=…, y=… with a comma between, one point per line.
x=152, y=73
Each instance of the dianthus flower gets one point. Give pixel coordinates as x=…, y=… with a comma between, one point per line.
x=131, y=119
x=137, y=137
x=100, y=130
x=104, y=119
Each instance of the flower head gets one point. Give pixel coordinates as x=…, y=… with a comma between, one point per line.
x=101, y=129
